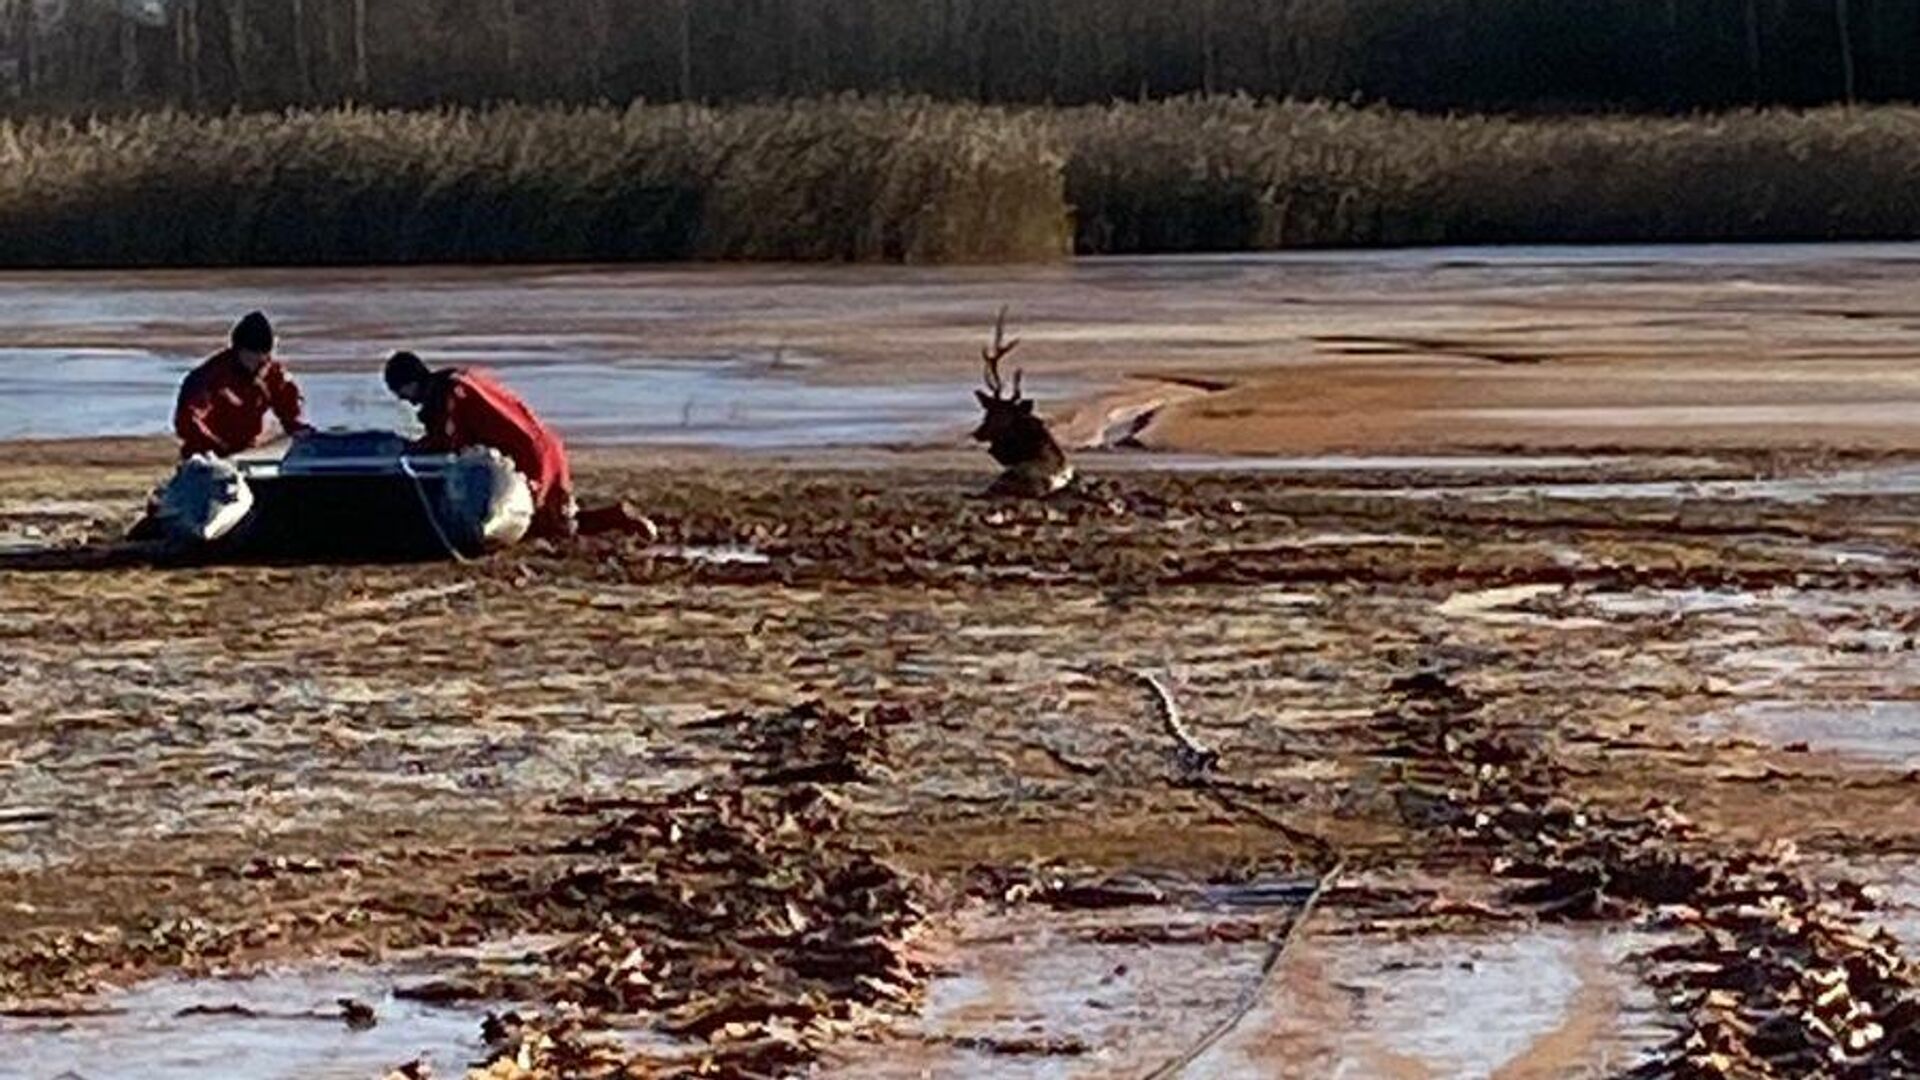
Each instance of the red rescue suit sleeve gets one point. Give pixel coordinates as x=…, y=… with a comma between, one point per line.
x=283, y=395
x=444, y=434
x=192, y=419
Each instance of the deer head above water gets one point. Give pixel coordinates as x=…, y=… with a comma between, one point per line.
x=1017, y=438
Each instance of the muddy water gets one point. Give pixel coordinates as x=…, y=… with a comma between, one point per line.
x=1540, y=1002
x=1879, y=732
x=1046, y=995
x=789, y=356
x=1883, y=481
x=284, y=1025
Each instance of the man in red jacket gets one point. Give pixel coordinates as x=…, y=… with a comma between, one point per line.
x=224, y=402
x=461, y=408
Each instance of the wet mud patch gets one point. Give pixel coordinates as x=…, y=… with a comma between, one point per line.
x=1364, y=668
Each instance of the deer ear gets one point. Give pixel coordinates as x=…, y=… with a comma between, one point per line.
x=985, y=401
x=1026, y=407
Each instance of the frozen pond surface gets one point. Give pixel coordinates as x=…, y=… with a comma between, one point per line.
x=766, y=356
x=740, y=403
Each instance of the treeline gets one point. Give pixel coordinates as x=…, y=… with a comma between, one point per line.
x=913, y=180
x=1524, y=55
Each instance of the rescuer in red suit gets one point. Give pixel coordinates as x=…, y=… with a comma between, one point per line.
x=223, y=404
x=463, y=407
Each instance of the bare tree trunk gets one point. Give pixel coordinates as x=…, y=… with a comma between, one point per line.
x=1206, y=47
x=1845, y=25
x=187, y=35
x=602, y=31
x=361, y=80
x=1060, y=50
x=237, y=46
x=330, y=47
x=510, y=28
x=129, y=57
x=302, y=58
x=29, y=48
x=686, y=49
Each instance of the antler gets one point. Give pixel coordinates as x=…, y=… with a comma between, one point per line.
x=997, y=352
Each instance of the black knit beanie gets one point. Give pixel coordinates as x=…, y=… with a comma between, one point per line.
x=404, y=368
x=253, y=333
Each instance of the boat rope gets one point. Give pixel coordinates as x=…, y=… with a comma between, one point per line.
x=1197, y=762
x=426, y=507
x=1257, y=991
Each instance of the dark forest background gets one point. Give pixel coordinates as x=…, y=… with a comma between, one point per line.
x=1489, y=55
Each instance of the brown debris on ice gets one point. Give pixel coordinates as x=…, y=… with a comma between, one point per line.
x=744, y=923
x=1774, y=976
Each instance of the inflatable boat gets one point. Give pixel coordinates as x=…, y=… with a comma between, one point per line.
x=356, y=495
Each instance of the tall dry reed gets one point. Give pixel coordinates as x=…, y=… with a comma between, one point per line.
x=909, y=180
x=1230, y=174
x=903, y=181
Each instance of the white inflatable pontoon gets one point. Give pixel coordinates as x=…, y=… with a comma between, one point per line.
x=347, y=495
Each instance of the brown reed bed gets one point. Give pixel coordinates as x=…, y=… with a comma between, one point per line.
x=912, y=180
